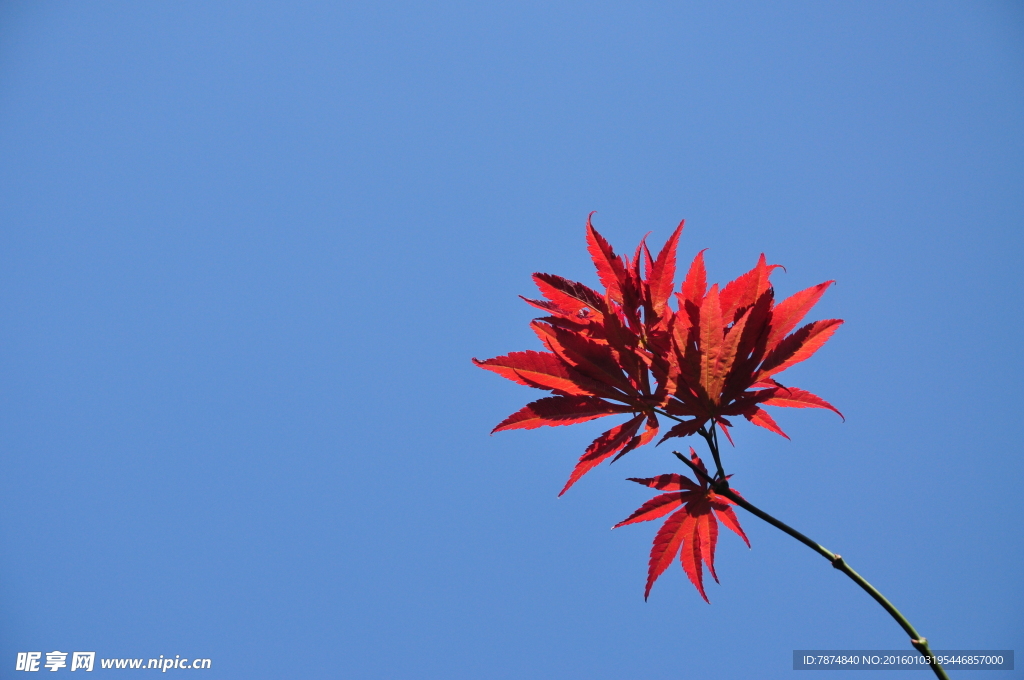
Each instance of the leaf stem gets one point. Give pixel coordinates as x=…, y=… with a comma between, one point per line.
x=711, y=435
x=720, y=486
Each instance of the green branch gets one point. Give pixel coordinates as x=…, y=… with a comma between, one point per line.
x=720, y=486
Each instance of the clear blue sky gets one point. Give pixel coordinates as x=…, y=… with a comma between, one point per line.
x=247, y=251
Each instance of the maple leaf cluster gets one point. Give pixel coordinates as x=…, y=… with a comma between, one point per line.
x=691, y=532
x=626, y=350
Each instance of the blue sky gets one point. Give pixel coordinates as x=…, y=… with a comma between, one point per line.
x=248, y=249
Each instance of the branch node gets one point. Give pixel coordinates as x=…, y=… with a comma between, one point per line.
x=838, y=562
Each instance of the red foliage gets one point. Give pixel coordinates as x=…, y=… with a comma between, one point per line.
x=625, y=350
x=691, y=531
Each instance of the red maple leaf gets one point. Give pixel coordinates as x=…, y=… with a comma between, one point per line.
x=603, y=350
x=729, y=344
x=691, y=531
x=626, y=351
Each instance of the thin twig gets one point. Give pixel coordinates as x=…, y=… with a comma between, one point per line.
x=720, y=486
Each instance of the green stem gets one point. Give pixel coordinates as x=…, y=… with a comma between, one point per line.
x=721, y=487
